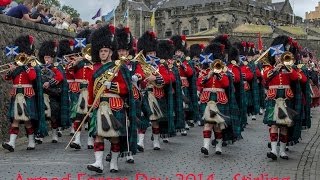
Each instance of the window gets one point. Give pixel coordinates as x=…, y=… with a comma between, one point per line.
x=203, y=29
x=168, y=33
x=185, y=32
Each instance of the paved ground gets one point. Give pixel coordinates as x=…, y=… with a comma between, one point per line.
x=246, y=158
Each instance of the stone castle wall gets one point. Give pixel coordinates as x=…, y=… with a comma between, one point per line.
x=10, y=29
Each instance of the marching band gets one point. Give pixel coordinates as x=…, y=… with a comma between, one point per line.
x=119, y=91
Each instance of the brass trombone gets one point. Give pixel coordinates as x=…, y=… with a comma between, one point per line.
x=84, y=54
x=20, y=60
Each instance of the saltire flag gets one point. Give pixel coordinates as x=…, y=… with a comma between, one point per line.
x=206, y=58
x=152, y=60
x=242, y=58
x=277, y=50
x=260, y=43
x=12, y=50
x=80, y=42
x=109, y=16
x=98, y=14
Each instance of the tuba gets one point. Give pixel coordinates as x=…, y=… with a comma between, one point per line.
x=217, y=66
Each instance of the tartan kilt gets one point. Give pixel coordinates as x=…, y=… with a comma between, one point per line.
x=163, y=122
x=179, y=119
x=227, y=133
x=249, y=97
x=73, y=98
x=186, y=93
x=121, y=117
x=55, y=108
x=270, y=105
x=146, y=113
x=262, y=96
x=30, y=107
x=143, y=113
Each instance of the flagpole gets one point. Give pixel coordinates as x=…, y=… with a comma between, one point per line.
x=140, y=21
x=153, y=16
x=114, y=17
x=128, y=17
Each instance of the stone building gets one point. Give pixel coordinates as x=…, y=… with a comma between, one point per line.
x=192, y=16
x=314, y=15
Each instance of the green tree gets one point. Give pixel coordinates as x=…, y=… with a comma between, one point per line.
x=19, y=1
x=52, y=3
x=69, y=10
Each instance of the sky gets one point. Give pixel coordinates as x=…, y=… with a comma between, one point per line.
x=88, y=8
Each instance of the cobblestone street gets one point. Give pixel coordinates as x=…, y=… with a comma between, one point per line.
x=246, y=158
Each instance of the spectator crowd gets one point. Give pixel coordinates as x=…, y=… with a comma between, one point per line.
x=35, y=11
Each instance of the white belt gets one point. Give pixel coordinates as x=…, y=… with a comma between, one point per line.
x=109, y=95
x=81, y=81
x=70, y=81
x=213, y=89
x=183, y=77
x=22, y=85
x=279, y=87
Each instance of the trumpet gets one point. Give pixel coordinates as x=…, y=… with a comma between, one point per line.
x=21, y=59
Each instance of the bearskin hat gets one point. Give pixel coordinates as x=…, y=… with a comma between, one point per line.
x=65, y=47
x=216, y=49
x=25, y=44
x=242, y=47
x=83, y=34
x=233, y=54
x=195, y=50
x=124, y=38
x=147, y=42
x=223, y=39
x=251, y=50
x=48, y=48
x=180, y=43
x=165, y=49
x=103, y=37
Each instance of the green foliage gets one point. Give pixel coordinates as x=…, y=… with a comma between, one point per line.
x=69, y=10
x=52, y=3
x=19, y=1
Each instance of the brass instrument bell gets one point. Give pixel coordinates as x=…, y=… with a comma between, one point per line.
x=217, y=66
x=287, y=59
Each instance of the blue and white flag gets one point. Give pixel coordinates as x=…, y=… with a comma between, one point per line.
x=80, y=42
x=98, y=14
x=109, y=16
x=277, y=50
x=152, y=60
x=206, y=58
x=12, y=50
x=242, y=58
